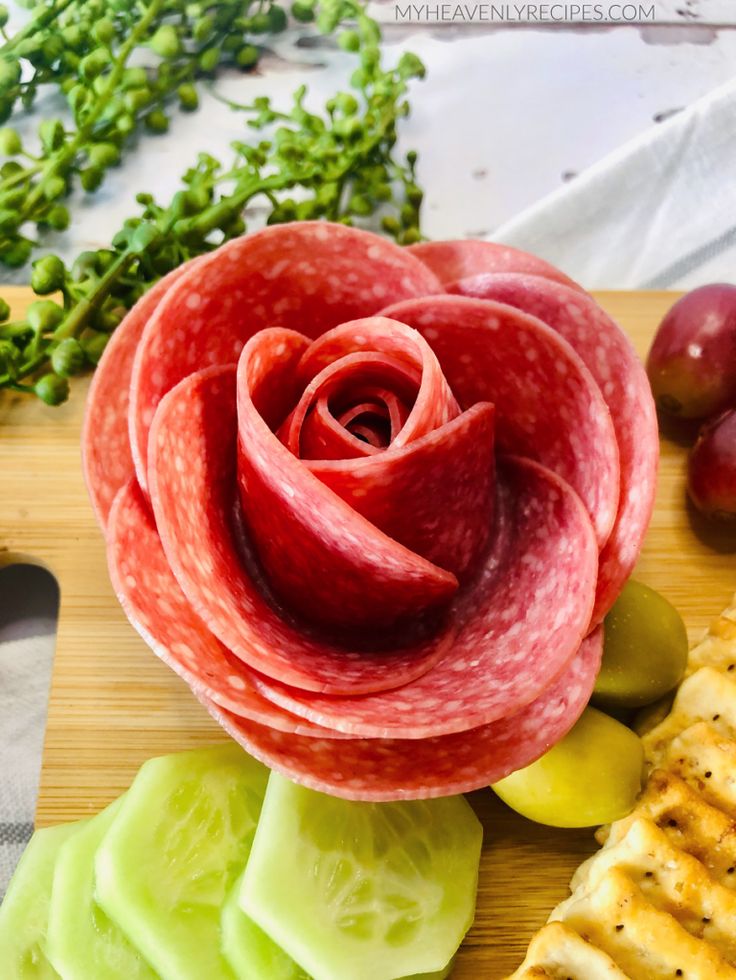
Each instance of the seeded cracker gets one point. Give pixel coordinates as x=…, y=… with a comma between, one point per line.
x=559, y=953
x=648, y=944
x=689, y=822
x=671, y=880
x=658, y=899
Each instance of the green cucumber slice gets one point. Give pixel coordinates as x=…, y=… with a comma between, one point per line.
x=25, y=909
x=177, y=844
x=82, y=942
x=255, y=956
x=250, y=952
x=369, y=891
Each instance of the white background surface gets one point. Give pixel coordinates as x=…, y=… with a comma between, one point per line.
x=505, y=116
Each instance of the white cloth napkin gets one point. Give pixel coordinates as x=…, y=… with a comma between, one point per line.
x=659, y=213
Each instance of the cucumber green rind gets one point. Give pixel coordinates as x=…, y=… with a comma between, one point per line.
x=82, y=942
x=370, y=891
x=179, y=841
x=25, y=909
x=249, y=951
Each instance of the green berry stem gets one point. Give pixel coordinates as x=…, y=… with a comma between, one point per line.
x=69, y=150
x=340, y=163
x=43, y=17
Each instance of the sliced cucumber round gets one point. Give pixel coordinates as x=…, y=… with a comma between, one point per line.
x=249, y=951
x=82, y=942
x=25, y=909
x=370, y=891
x=180, y=839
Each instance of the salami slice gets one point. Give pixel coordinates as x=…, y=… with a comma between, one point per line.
x=156, y=606
x=548, y=406
x=309, y=276
x=612, y=361
x=193, y=488
x=318, y=553
x=434, y=496
x=458, y=259
x=519, y=623
x=106, y=455
x=396, y=769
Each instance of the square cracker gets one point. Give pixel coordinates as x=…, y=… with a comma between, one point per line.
x=645, y=942
x=706, y=759
x=707, y=695
x=718, y=647
x=670, y=879
x=688, y=821
x=559, y=953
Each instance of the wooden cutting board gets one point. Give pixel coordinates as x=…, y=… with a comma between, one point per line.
x=113, y=704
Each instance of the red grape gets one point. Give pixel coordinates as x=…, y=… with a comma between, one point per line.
x=692, y=362
x=712, y=468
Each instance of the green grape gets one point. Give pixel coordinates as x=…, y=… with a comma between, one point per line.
x=157, y=121
x=188, y=98
x=52, y=389
x=68, y=358
x=48, y=275
x=645, y=649
x=165, y=42
x=247, y=56
x=10, y=143
x=303, y=11
x=58, y=218
x=592, y=776
x=51, y=134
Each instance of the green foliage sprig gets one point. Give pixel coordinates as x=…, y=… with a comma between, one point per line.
x=85, y=47
x=339, y=163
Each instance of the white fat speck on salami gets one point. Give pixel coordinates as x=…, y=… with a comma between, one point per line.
x=457, y=259
x=156, y=606
x=106, y=457
x=548, y=406
x=306, y=276
x=612, y=361
x=519, y=623
x=398, y=769
x=193, y=485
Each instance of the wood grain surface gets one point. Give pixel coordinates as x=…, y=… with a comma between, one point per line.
x=113, y=704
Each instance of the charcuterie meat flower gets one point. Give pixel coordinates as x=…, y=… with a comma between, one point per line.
x=372, y=503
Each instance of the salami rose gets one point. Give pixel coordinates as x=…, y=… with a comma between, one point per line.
x=359, y=507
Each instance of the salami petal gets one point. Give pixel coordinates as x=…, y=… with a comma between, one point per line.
x=158, y=609
x=548, y=405
x=308, y=276
x=396, y=769
x=353, y=372
x=435, y=496
x=434, y=402
x=452, y=260
x=318, y=553
x=192, y=465
x=612, y=361
x=106, y=456
x=519, y=623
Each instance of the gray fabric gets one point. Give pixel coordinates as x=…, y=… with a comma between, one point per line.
x=29, y=599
